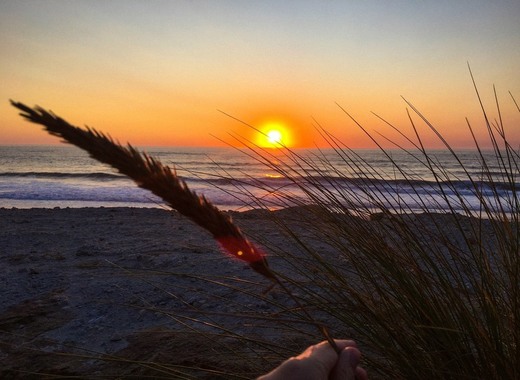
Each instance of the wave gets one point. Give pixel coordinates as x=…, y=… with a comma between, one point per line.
x=419, y=185
x=310, y=180
x=105, y=187
x=61, y=175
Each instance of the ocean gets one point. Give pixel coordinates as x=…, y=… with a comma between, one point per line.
x=233, y=179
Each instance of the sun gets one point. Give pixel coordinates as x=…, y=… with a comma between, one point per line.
x=273, y=134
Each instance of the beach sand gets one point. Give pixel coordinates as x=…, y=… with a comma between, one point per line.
x=93, y=291
x=113, y=281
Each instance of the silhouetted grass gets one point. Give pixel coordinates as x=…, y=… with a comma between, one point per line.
x=427, y=295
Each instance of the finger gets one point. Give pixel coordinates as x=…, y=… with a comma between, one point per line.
x=324, y=355
x=346, y=366
x=344, y=343
x=361, y=374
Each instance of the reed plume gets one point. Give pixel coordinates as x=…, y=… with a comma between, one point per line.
x=161, y=180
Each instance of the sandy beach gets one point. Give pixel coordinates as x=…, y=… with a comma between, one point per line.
x=113, y=281
x=105, y=291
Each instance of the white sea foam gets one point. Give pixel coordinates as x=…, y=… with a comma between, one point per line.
x=64, y=176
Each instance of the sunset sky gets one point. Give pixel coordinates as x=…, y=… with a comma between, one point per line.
x=158, y=72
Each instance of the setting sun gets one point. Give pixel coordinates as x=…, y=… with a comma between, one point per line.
x=273, y=135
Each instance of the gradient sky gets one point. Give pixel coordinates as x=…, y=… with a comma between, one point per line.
x=158, y=72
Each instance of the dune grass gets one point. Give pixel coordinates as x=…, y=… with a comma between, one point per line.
x=426, y=295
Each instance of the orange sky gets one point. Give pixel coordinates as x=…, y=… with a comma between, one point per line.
x=158, y=72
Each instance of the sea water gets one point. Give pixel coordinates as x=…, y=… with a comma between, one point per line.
x=235, y=179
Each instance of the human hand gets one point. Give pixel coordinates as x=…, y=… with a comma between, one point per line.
x=321, y=362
